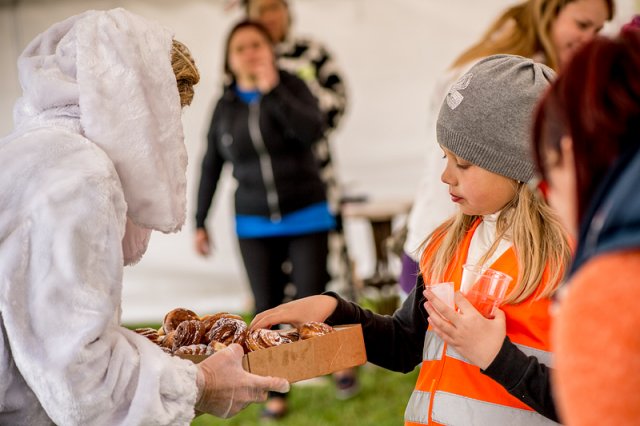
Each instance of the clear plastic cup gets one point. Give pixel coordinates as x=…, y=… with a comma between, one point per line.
x=444, y=292
x=484, y=288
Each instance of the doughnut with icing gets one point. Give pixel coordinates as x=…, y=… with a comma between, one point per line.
x=175, y=317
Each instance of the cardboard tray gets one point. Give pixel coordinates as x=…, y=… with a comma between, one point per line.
x=309, y=358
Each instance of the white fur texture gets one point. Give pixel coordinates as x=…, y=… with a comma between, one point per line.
x=97, y=159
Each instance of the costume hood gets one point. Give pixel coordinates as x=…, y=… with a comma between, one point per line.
x=109, y=72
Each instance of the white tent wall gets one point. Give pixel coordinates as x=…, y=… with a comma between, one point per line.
x=391, y=53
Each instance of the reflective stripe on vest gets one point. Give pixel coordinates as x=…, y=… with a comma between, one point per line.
x=415, y=411
x=433, y=351
x=450, y=409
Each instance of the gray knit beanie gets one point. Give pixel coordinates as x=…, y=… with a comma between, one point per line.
x=486, y=117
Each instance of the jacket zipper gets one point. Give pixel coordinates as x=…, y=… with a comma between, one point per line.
x=266, y=168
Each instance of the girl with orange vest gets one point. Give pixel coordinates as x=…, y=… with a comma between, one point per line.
x=474, y=370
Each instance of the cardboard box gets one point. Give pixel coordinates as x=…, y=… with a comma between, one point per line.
x=309, y=358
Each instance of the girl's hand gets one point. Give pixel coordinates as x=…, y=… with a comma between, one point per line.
x=474, y=337
x=266, y=76
x=312, y=308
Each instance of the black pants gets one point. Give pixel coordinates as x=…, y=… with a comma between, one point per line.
x=264, y=258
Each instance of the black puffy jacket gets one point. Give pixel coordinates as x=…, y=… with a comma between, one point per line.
x=269, y=143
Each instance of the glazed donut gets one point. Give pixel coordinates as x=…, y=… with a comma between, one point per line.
x=262, y=338
x=167, y=340
x=292, y=334
x=228, y=331
x=175, y=317
x=149, y=333
x=314, y=329
x=214, y=347
x=210, y=320
x=188, y=333
x=198, y=349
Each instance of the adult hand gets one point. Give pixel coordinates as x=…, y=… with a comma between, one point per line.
x=201, y=242
x=475, y=337
x=312, y=308
x=266, y=77
x=225, y=388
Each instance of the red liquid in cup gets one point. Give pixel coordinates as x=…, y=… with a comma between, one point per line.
x=482, y=302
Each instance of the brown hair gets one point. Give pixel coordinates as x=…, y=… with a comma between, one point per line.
x=246, y=23
x=184, y=67
x=522, y=30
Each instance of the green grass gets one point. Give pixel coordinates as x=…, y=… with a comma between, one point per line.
x=381, y=402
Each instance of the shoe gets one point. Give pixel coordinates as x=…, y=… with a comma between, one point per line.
x=274, y=409
x=347, y=387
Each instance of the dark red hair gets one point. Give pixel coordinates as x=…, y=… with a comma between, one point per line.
x=596, y=101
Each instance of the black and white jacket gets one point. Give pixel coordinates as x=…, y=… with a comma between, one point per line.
x=269, y=143
x=312, y=62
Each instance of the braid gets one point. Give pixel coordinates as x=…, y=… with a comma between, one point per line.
x=184, y=67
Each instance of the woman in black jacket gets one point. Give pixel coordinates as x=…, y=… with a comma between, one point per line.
x=265, y=125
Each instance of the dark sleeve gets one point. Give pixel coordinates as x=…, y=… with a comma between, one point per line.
x=523, y=377
x=332, y=91
x=295, y=108
x=210, y=172
x=393, y=342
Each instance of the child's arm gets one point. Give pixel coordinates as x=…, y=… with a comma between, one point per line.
x=523, y=377
x=393, y=342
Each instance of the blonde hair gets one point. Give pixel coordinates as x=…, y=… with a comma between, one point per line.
x=187, y=75
x=524, y=30
x=538, y=238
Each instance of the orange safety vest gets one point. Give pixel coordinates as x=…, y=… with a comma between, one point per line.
x=452, y=391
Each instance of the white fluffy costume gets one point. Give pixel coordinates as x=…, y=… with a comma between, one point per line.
x=96, y=161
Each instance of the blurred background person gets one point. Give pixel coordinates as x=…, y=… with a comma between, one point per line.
x=265, y=125
x=311, y=60
x=587, y=141
x=548, y=31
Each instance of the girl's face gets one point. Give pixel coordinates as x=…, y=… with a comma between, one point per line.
x=578, y=22
x=476, y=191
x=562, y=189
x=248, y=51
x=273, y=14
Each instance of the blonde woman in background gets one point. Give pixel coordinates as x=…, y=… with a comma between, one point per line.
x=548, y=31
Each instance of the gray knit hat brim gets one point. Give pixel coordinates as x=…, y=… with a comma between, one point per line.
x=486, y=117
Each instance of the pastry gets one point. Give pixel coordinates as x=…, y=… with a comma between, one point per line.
x=188, y=333
x=291, y=333
x=210, y=320
x=175, y=317
x=314, y=329
x=228, y=330
x=262, y=338
x=214, y=347
x=198, y=349
x=149, y=333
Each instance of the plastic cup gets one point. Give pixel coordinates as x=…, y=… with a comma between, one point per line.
x=444, y=292
x=484, y=288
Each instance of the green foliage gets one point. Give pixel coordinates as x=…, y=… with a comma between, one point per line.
x=381, y=402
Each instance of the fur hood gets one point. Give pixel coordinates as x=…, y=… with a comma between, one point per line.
x=65, y=73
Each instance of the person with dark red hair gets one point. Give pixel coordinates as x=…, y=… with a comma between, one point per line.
x=587, y=144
